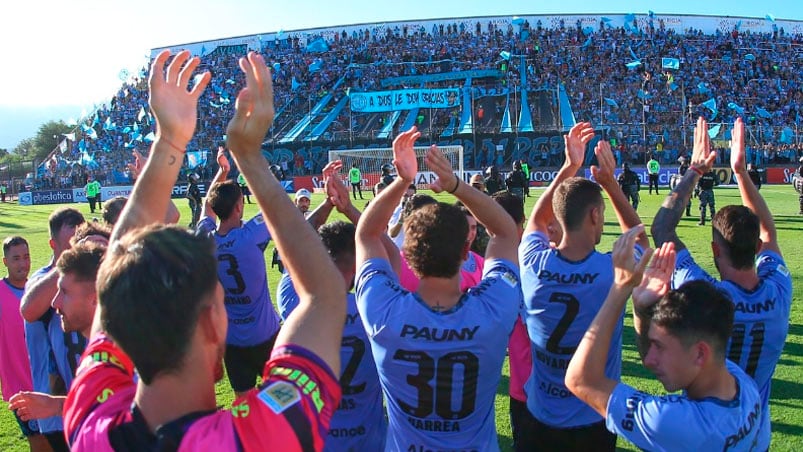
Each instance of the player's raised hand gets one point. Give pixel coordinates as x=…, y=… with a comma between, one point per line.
x=656, y=281
x=442, y=167
x=332, y=168
x=404, y=155
x=223, y=161
x=626, y=271
x=575, y=143
x=253, y=111
x=738, y=157
x=604, y=173
x=702, y=156
x=174, y=107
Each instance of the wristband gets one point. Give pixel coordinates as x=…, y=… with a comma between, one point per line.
x=696, y=170
x=456, y=184
x=183, y=151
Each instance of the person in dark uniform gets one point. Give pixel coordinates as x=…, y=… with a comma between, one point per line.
x=194, y=199
x=755, y=176
x=705, y=191
x=630, y=183
x=516, y=181
x=493, y=181
x=387, y=177
x=684, y=166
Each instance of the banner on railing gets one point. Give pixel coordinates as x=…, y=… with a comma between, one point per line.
x=404, y=99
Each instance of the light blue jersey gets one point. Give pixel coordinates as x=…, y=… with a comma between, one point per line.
x=359, y=424
x=562, y=298
x=67, y=349
x=242, y=273
x=675, y=422
x=760, y=318
x=439, y=370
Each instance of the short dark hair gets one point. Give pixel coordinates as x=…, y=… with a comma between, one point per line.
x=737, y=229
x=152, y=287
x=11, y=241
x=223, y=196
x=88, y=229
x=434, y=237
x=512, y=205
x=338, y=239
x=82, y=261
x=572, y=200
x=112, y=209
x=63, y=216
x=696, y=311
x=416, y=202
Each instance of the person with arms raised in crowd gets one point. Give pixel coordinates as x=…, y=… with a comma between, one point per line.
x=751, y=267
x=682, y=337
x=439, y=351
x=166, y=277
x=564, y=288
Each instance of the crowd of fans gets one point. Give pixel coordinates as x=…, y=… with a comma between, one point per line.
x=646, y=109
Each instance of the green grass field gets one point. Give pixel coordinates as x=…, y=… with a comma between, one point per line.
x=787, y=388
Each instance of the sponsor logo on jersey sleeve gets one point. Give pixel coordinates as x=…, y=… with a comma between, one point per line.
x=279, y=396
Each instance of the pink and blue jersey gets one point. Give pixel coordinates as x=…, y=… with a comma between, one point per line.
x=562, y=297
x=290, y=410
x=359, y=424
x=242, y=273
x=675, y=422
x=439, y=370
x=470, y=273
x=761, y=315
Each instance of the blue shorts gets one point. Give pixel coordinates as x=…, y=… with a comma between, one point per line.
x=29, y=428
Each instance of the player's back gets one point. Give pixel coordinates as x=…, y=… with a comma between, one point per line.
x=242, y=273
x=562, y=298
x=359, y=424
x=439, y=370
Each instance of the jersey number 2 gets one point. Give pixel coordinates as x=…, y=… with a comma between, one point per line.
x=572, y=308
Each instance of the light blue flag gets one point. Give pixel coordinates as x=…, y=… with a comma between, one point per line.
x=588, y=30
x=135, y=128
x=763, y=113
x=141, y=113
x=525, y=34
x=295, y=85
x=633, y=64
x=787, y=135
x=737, y=108
x=714, y=131
x=276, y=67
x=643, y=94
x=316, y=65
x=673, y=86
x=611, y=102
x=96, y=121
x=126, y=129
x=587, y=43
x=770, y=17
x=82, y=145
x=138, y=137
x=606, y=19
x=670, y=63
x=149, y=137
x=193, y=159
x=107, y=125
x=702, y=88
x=317, y=46
x=517, y=21
x=738, y=25
x=92, y=134
x=630, y=17
x=750, y=57
x=711, y=104
x=651, y=14
x=230, y=81
x=505, y=55
x=213, y=105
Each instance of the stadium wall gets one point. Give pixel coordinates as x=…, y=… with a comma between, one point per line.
x=679, y=23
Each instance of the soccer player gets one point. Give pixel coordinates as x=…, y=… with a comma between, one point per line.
x=439, y=351
x=165, y=277
x=684, y=334
x=253, y=321
x=15, y=373
x=751, y=268
x=44, y=336
x=355, y=177
x=564, y=288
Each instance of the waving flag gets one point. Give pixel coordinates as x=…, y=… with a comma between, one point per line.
x=141, y=114
x=763, y=113
x=737, y=108
x=611, y=102
x=670, y=63
x=714, y=131
x=633, y=64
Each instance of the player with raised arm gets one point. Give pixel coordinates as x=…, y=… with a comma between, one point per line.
x=439, y=351
x=564, y=288
x=253, y=322
x=685, y=332
x=360, y=422
x=165, y=277
x=751, y=268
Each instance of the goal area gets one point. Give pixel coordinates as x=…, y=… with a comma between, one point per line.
x=370, y=162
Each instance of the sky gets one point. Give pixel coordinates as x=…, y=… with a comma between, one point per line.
x=67, y=55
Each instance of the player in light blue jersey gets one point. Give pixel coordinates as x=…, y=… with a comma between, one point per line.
x=747, y=256
x=564, y=288
x=683, y=334
x=253, y=322
x=439, y=351
x=359, y=424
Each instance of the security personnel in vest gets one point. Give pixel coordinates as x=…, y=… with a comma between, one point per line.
x=705, y=191
x=653, y=168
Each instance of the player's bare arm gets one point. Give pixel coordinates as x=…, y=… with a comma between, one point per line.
x=38, y=295
x=585, y=376
x=664, y=225
x=375, y=218
x=317, y=323
x=751, y=198
x=574, y=147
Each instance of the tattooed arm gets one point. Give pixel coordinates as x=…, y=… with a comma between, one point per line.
x=664, y=225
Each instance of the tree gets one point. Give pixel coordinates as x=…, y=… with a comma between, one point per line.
x=25, y=150
x=48, y=137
